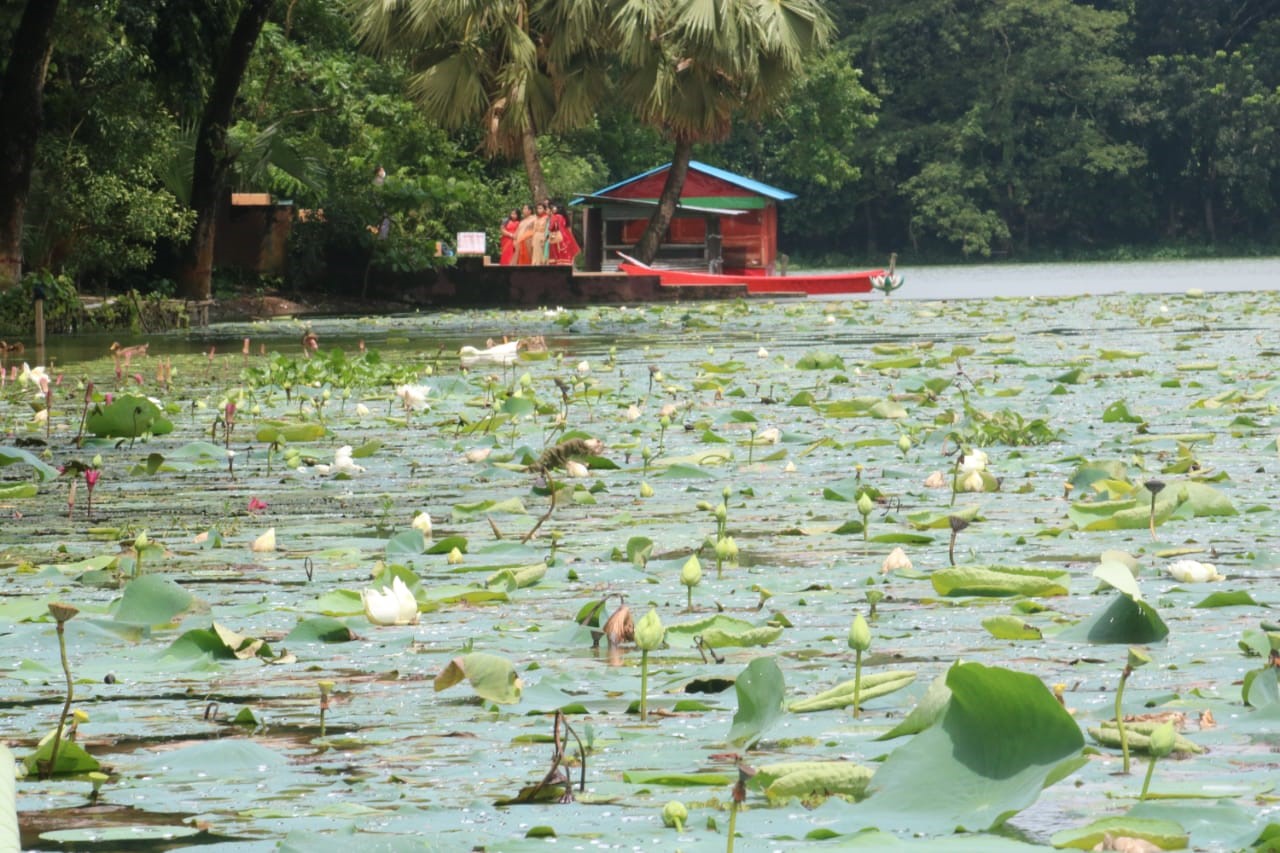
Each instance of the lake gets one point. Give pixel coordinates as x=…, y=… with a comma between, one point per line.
x=1043, y=464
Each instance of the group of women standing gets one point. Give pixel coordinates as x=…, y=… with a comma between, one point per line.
x=538, y=235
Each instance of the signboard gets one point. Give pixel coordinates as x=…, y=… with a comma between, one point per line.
x=471, y=242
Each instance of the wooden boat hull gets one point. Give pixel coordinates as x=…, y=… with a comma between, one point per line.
x=823, y=284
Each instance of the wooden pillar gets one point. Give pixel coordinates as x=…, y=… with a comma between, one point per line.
x=39, y=316
x=592, y=239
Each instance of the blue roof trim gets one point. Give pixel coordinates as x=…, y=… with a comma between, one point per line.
x=724, y=175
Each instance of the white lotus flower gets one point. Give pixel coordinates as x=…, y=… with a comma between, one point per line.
x=831, y=319
x=972, y=481
x=772, y=435
x=633, y=412
x=414, y=397
x=422, y=522
x=478, y=454
x=362, y=411
x=343, y=463
x=936, y=480
x=896, y=560
x=390, y=606
x=789, y=468
x=265, y=542
x=575, y=468
x=762, y=352
x=584, y=367
x=974, y=461
x=668, y=411
x=1193, y=571
x=31, y=374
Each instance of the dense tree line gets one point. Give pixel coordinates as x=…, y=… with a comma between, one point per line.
x=941, y=129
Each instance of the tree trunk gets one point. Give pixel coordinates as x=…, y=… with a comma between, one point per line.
x=533, y=164
x=647, y=248
x=212, y=159
x=21, y=110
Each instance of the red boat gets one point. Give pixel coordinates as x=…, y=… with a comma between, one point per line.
x=815, y=284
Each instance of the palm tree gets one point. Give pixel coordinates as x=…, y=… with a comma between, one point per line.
x=690, y=66
x=516, y=67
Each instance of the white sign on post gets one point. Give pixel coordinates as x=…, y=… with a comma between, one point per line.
x=471, y=242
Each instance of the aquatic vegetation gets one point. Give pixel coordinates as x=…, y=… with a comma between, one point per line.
x=774, y=466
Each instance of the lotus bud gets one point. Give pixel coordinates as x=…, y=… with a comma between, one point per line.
x=904, y=442
x=705, y=506
x=646, y=490
x=265, y=542
x=859, y=634
x=1163, y=739
x=675, y=814
x=691, y=572
x=865, y=504
x=721, y=512
x=726, y=549
x=725, y=493
x=1137, y=658
x=422, y=522
x=649, y=631
x=141, y=541
x=455, y=557
x=896, y=561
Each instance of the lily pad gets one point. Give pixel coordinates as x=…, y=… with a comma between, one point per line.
x=491, y=677
x=1002, y=739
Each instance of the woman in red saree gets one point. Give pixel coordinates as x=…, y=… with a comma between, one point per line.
x=564, y=248
x=524, y=236
x=508, y=242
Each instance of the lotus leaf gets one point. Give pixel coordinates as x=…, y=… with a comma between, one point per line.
x=11, y=455
x=1002, y=738
x=761, y=692
x=491, y=677
x=1165, y=834
x=127, y=416
x=999, y=581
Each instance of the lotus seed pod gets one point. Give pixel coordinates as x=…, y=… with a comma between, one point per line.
x=649, y=631
x=691, y=572
x=62, y=612
x=1137, y=658
x=859, y=634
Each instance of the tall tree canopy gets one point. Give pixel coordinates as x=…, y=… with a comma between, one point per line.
x=517, y=67
x=689, y=68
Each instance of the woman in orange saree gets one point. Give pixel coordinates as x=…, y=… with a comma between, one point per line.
x=524, y=236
